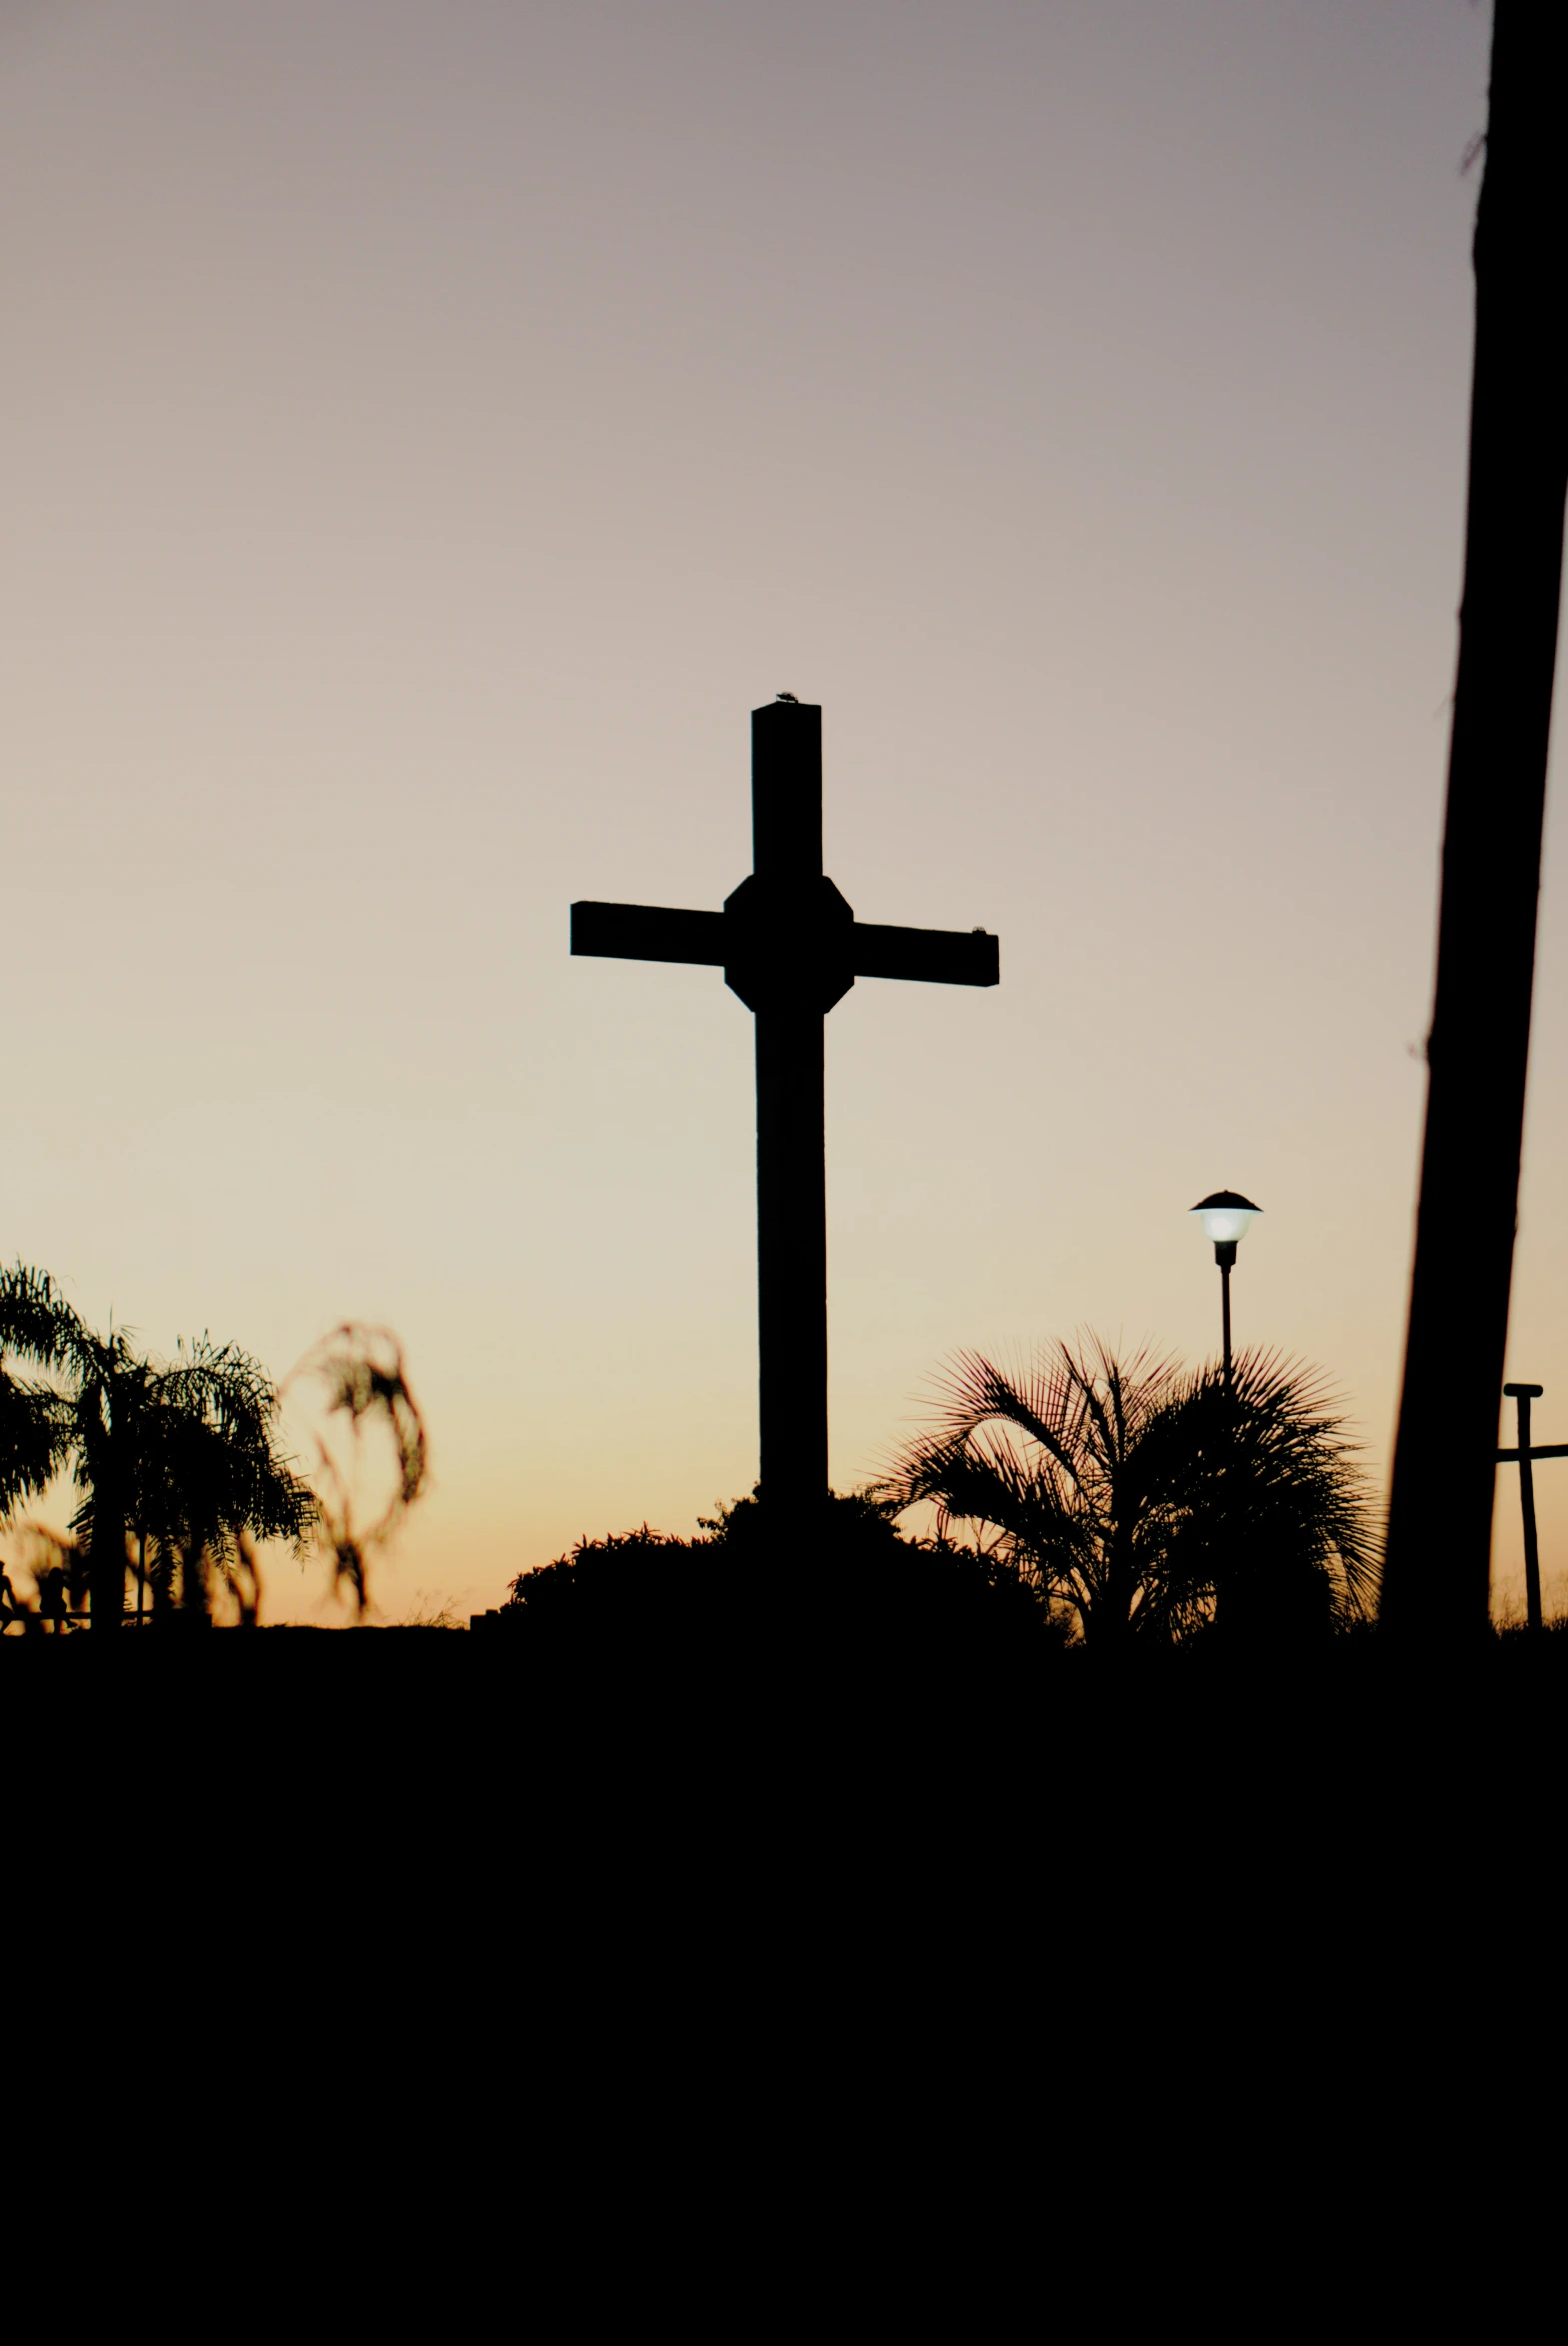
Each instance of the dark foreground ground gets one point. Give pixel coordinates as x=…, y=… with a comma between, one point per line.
x=1254, y=1943
x=1352, y=1743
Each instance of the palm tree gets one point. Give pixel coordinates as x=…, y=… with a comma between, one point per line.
x=369, y=1440
x=178, y=1454
x=203, y=1478
x=1145, y=1501
x=32, y=1446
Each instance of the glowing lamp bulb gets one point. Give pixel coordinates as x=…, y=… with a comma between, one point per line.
x=1226, y=1216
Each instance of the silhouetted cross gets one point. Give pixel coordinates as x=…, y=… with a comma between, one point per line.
x=790, y=947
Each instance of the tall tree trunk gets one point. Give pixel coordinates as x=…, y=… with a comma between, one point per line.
x=107, y=1561
x=1436, y=1582
x=107, y=1558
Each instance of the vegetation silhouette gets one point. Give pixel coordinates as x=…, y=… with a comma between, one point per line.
x=1141, y=1502
x=841, y=1582
x=177, y=1458
x=354, y=1384
x=58, y=1569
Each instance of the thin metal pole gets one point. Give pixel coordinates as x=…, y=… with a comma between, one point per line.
x=1225, y=1256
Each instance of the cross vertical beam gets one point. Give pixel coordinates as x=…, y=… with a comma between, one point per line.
x=791, y=1150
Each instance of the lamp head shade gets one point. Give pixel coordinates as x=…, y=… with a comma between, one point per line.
x=1226, y=1216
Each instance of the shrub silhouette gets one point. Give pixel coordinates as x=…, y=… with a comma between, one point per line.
x=848, y=1585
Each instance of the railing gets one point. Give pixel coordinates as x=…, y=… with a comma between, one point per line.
x=1524, y=1457
x=60, y=1623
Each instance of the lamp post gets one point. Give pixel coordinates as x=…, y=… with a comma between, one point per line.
x=1226, y=1218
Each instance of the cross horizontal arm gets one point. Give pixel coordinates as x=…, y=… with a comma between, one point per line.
x=1555, y=1449
x=648, y=933
x=946, y=957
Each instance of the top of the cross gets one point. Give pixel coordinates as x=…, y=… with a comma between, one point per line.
x=786, y=791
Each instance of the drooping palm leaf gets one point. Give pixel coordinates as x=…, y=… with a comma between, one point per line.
x=355, y=1385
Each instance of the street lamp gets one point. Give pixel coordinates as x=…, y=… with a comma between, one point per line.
x=1226, y=1218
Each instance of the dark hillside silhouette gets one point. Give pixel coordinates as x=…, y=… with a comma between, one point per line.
x=1439, y=1533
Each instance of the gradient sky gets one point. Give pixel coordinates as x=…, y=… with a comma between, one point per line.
x=433, y=424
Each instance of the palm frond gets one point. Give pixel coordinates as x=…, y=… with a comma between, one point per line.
x=38, y=1325
x=357, y=1380
x=1146, y=1498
